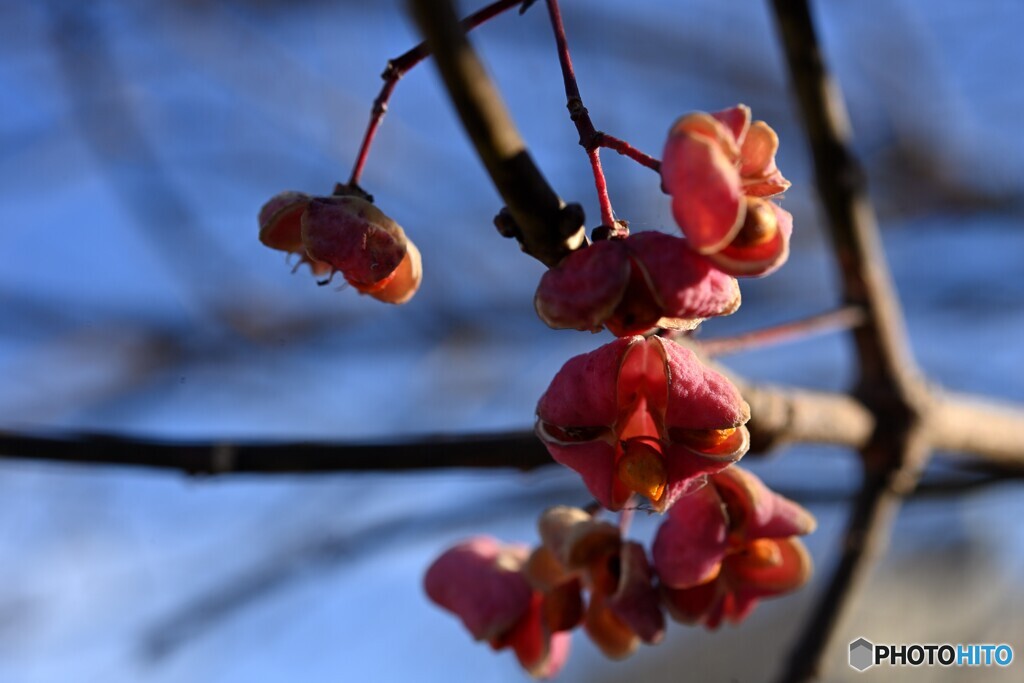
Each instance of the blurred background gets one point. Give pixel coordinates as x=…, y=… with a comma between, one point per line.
x=138, y=141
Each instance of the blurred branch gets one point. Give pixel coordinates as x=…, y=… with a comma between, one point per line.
x=780, y=416
x=980, y=427
x=109, y=125
x=889, y=384
x=845, y=318
x=308, y=558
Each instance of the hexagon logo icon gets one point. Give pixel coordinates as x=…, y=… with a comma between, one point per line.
x=862, y=654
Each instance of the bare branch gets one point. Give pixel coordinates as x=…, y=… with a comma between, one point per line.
x=781, y=416
x=977, y=428
x=399, y=66
x=520, y=450
x=864, y=542
x=845, y=318
x=882, y=347
x=547, y=229
x=889, y=383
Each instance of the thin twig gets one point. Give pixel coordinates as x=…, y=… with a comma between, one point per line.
x=399, y=66
x=628, y=150
x=100, y=105
x=601, y=186
x=844, y=318
x=589, y=137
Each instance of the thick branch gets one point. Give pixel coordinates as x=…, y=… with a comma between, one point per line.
x=882, y=347
x=548, y=230
x=520, y=450
x=781, y=416
x=399, y=66
x=889, y=384
x=976, y=428
x=866, y=536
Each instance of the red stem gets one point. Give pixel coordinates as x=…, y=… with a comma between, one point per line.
x=628, y=150
x=625, y=520
x=399, y=66
x=589, y=137
x=607, y=216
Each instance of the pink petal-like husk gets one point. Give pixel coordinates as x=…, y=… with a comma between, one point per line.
x=755, y=579
x=688, y=468
x=355, y=237
x=761, y=259
x=691, y=543
x=595, y=463
x=563, y=605
x=575, y=537
x=615, y=638
x=705, y=189
x=765, y=186
x=584, y=392
x=757, y=154
x=404, y=282
x=692, y=605
x=684, y=282
x=699, y=397
x=685, y=473
x=539, y=651
x=763, y=513
x=581, y=293
x=641, y=376
x=280, y=221
x=636, y=602
x=479, y=581
x=717, y=132
x=737, y=120
x=741, y=606
x=558, y=654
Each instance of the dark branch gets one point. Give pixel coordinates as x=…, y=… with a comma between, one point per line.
x=781, y=416
x=520, y=450
x=547, y=229
x=889, y=384
x=399, y=66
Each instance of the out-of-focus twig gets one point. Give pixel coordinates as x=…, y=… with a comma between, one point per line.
x=109, y=126
x=844, y=318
